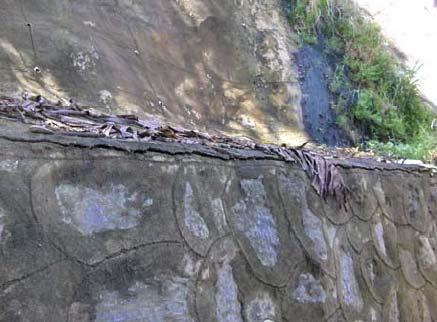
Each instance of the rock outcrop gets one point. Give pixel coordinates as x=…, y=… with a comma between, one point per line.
x=95, y=230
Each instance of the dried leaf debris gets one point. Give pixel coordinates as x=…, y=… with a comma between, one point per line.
x=49, y=118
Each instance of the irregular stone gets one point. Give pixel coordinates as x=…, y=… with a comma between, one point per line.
x=331, y=303
x=93, y=211
x=217, y=292
x=147, y=283
x=165, y=299
x=292, y=187
x=80, y=312
x=334, y=211
x=256, y=222
x=338, y=316
x=415, y=207
x=426, y=255
x=362, y=197
x=219, y=216
x=330, y=231
x=199, y=206
x=430, y=299
x=385, y=238
x=2, y=224
x=191, y=266
x=378, y=231
x=101, y=207
x=378, y=277
x=349, y=291
x=426, y=258
x=391, y=306
x=412, y=305
x=259, y=222
x=410, y=269
x=313, y=229
x=306, y=298
x=374, y=315
x=309, y=290
x=261, y=309
x=225, y=250
x=314, y=233
x=372, y=311
x=9, y=165
x=24, y=249
x=358, y=233
x=193, y=220
x=228, y=308
x=431, y=199
x=389, y=193
x=32, y=298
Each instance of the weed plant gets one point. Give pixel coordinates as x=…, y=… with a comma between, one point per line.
x=386, y=113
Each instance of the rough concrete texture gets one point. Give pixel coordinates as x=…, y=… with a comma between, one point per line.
x=92, y=233
x=213, y=65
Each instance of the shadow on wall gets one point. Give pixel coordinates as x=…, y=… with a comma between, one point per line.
x=188, y=62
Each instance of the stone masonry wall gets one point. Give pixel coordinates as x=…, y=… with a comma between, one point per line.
x=98, y=234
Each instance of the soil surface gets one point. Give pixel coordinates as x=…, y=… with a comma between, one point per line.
x=216, y=66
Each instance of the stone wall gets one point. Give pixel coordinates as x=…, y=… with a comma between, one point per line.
x=92, y=233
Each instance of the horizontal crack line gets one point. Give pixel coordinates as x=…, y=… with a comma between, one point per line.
x=29, y=275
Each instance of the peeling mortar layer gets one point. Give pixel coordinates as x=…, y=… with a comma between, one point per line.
x=101, y=224
x=15, y=132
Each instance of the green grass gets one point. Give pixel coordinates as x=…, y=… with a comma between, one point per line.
x=424, y=149
x=387, y=111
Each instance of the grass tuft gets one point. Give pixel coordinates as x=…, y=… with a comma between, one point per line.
x=377, y=97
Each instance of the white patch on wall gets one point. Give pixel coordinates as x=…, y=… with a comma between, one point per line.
x=219, y=215
x=228, y=308
x=2, y=224
x=313, y=228
x=256, y=222
x=309, y=290
x=426, y=255
x=169, y=169
x=190, y=265
x=91, y=211
x=89, y=23
x=148, y=202
x=166, y=299
x=192, y=219
x=379, y=235
x=8, y=165
x=350, y=291
x=261, y=309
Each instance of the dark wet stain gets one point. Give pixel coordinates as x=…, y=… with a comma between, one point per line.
x=315, y=74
